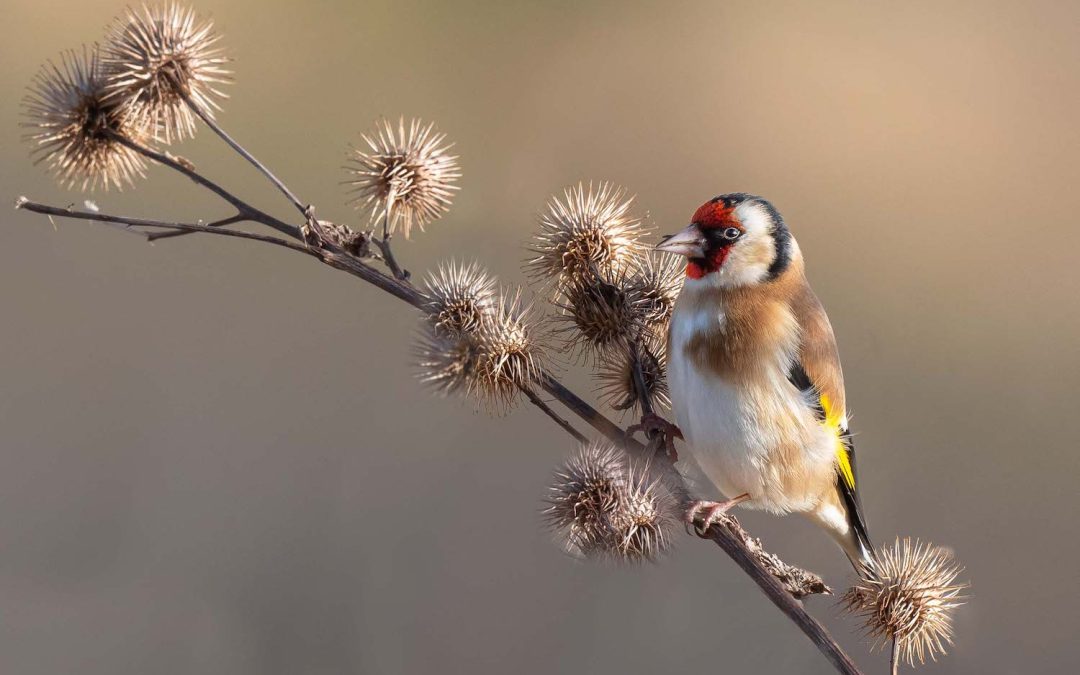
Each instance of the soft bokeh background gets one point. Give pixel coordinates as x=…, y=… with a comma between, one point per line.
x=215, y=458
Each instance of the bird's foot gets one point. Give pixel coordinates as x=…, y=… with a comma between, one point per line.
x=704, y=514
x=652, y=424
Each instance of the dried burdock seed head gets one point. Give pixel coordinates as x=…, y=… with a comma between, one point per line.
x=602, y=312
x=648, y=512
x=511, y=355
x=74, y=127
x=908, y=595
x=492, y=362
x=584, y=495
x=405, y=175
x=156, y=57
x=588, y=229
x=605, y=504
x=658, y=280
x=617, y=383
x=461, y=297
x=448, y=363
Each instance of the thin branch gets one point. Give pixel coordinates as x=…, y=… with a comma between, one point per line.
x=384, y=243
x=586, y=412
x=238, y=218
x=639, y=380
x=247, y=210
x=540, y=403
x=811, y=627
x=894, y=658
x=209, y=121
x=45, y=209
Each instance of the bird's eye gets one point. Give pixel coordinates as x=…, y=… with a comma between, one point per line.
x=732, y=233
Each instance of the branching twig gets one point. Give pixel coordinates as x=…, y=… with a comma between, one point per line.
x=209, y=121
x=384, y=244
x=238, y=218
x=244, y=210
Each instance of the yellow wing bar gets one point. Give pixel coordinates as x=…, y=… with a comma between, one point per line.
x=832, y=421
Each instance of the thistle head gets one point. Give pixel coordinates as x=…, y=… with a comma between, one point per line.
x=405, y=175
x=604, y=504
x=155, y=58
x=908, y=596
x=75, y=128
x=588, y=229
x=460, y=297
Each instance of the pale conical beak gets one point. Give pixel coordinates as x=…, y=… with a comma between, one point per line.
x=689, y=242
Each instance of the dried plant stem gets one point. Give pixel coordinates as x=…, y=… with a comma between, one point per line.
x=384, y=244
x=657, y=438
x=305, y=211
x=894, y=657
x=589, y=414
x=639, y=380
x=128, y=222
x=238, y=218
x=244, y=210
x=735, y=547
x=558, y=419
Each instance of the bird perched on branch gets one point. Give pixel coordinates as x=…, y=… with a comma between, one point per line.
x=754, y=374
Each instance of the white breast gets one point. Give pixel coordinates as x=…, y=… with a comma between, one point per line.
x=733, y=429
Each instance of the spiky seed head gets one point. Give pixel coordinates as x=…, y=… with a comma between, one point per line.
x=588, y=229
x=73, y=126
x=405, y=174
x=617, y=383
x=461, y=297
x=649, y=511
x=584, y=496
x=908, y=595
x=601, y=312
x=658, y=278
x=604, y=504
x=448, y=362
x=156, y=57
x=492, y=362
x=512, y=354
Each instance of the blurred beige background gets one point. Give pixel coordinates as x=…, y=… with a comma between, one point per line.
x=216, y=460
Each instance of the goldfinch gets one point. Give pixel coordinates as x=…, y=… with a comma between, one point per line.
x=754, y=374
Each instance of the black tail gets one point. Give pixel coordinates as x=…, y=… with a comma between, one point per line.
x=853, y=505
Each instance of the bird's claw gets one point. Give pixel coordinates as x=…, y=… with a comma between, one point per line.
x=651, y=424
x=701, y=515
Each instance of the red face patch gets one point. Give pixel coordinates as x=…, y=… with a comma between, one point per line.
x=696, y=269
x=712, y=215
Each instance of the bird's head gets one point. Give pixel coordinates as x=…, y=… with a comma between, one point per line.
x=733, y=240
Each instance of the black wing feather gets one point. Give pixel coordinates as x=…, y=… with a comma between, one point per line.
x=849, y=493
